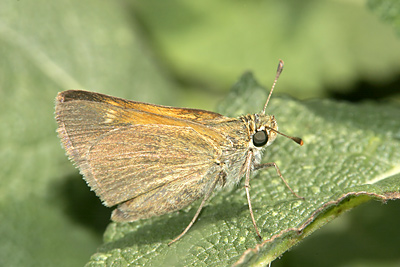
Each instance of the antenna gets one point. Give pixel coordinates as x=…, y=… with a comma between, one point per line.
x=298, y=140
x=278, y=73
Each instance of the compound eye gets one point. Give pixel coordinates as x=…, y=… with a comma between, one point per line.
x=260, y=138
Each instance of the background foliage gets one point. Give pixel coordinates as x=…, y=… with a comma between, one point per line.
x=186, y=54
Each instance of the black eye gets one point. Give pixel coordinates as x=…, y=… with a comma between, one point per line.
x=260, y=138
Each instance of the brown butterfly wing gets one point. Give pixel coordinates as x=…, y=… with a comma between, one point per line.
x=128, y=154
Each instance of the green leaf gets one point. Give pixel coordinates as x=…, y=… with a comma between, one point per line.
x=351, y=155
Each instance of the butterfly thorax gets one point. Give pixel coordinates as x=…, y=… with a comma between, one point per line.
x=241, y=143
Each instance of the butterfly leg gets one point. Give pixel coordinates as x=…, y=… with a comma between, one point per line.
x=206, y=196
x=273, y=164
x=247, y=188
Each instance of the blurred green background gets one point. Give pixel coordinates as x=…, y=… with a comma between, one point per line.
x=176, y=53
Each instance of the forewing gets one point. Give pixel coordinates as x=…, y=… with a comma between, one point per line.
x=135, y=160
